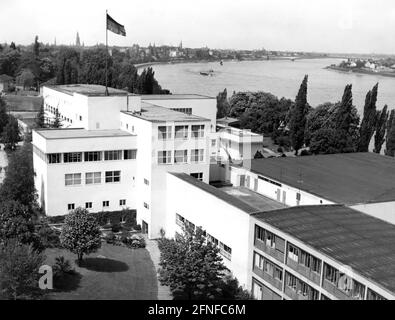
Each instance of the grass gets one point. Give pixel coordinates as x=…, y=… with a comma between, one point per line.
x=113, y=272
x=23, y=103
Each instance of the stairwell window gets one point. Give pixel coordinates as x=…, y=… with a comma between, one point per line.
x=54, y=158
x=72, y=157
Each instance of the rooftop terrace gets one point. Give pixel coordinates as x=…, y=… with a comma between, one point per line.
x=155, y=113
x=80, y=133
x=354, y=239
x=90, y=90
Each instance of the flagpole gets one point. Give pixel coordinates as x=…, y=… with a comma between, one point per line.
x=106, y=55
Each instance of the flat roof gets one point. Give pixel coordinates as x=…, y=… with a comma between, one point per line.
x=256, y=200
x=154, y=113
x=352, y=178
x=90, y=90
x=80, y=133
x=237, y=199
x=173, y=96
x=354, y=239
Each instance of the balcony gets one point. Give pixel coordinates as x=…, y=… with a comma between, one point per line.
x=294, y=294
x=268, y=278
x=333, y=289
x=303, y=270
x=269, y=250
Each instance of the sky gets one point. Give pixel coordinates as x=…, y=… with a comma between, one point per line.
x=348, y=26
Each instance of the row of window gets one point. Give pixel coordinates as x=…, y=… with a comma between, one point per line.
x=72, y=179
x=268, y=267
x=269, y=239
x=89, y=205
x=180, y=156
x=91, y=156
x=55, y=111
x=300, y=287
x=303, y=258
x=225, y=250
x=183, y=110
x=180, y=132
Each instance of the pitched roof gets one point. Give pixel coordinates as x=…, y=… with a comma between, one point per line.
x=354, y=239
x=350, y=179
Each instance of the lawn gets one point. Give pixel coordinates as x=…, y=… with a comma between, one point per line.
x=113, y=272
x=23, y=103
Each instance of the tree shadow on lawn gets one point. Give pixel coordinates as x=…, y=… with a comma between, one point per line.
x=67, y=282
x=103, y=265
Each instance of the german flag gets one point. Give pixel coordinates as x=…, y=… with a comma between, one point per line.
x=115, y=27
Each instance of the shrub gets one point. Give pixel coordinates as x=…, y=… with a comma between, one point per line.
x=138, y=227
x=116, y=227
x=61, y=267
x=280, y=150
x=50, y=238
x=136, y=242
x=305, y=153
x=110, y=238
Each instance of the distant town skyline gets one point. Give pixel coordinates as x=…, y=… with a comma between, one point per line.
x=354, y=26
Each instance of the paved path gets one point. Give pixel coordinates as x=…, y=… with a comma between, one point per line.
x=152, y=247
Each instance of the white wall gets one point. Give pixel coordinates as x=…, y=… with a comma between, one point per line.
x=383, y=210
x=220, y=219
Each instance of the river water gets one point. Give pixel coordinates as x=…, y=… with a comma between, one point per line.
x=280, y=77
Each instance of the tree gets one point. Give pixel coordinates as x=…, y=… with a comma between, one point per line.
x=68, y=66
x=18, y=184
x=57, y=122
x=36, y=47
x=17, y=223
x=298, y=117
x=390, y=140
x=13, y=46
x=19, y=271
x=222, y=104
x=191, y=267
x=11, y=133
x=368, y=123
x=381, y=126
x=318, y=118
x=3, y=115
x=80, y=233
x=40, y=118
x=26, y=79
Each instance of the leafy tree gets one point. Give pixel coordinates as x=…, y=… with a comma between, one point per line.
x=18, y=184
x=298, y=117
x=318, y=118
x=57, y=122
x=379, y=138
x=67, y=66
x=9, y=62
x=40, y=118
x=222, y=104
x=368, y=123
x=3, y=115
x=80, y=233
x=26, y=79
x=19, y=266
x=17, y=222
x=390, y=140
x=191, y=267
x=11, y=133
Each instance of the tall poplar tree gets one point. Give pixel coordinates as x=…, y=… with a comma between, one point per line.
x=381, y=127
x=368, y=123
x=298, y=117
x=390, y=140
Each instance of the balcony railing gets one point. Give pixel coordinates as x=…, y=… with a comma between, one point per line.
x=333, y=289
x=294, y=294
x=269, y=250
x=268, y=278
x=303, y=270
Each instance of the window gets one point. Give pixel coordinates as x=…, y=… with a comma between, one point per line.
x=181, y=132
x=213, y=142
x=129, y=154
x=122, y=202
x=71, y=206
x=181, y=156
x=113, y=155
x=358, y=290
x=164, y=132
x=146, y=205
x=374, y=296
x=180, y=220
x=92, y=177
x=225, y=250
x=72, y=157
x=146, y=181
x=93, y=156
x=293, y=253
x=197, y=155
x=88, y=205
x=270, y=240
x=198, y=175
x=331, y=274
x=291, y=281
x=113, y=176
x=183, y=110
x=106, y=204
x=164, y=157
x=198, y=131
x=72, y=179
x=80, y=118
x=258, y=261
x=259, y=233
x=212, y=240
x=54, y=158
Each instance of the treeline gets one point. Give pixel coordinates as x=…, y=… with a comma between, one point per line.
x=38, y=64
x=328, y=128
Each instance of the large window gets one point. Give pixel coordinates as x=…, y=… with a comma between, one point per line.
x=92, y=177
x=198, y=131
x=93, y=156
x=113, y=176
x=164, y=132
x=72, y=179
x=164, y=157
x=181, y=132
x=181, y=156
x=113, y=155
x=72, y=157
x=197, y=155
x=129, y=154
x=54, y=158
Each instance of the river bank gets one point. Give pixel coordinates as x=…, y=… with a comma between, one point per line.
x=361, y=71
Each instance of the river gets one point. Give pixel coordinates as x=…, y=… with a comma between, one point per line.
x=280, y=77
